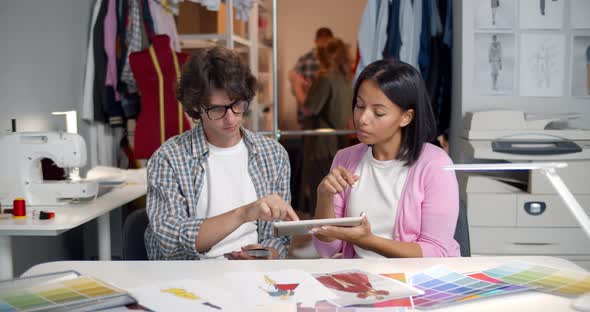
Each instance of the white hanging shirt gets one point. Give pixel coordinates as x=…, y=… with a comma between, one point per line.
x=377, y=193
x=227, y=185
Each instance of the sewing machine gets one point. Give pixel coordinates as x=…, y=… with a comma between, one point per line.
x=521, y=214
x=21, y=171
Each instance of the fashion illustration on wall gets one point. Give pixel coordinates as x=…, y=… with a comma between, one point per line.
x=581, y=66
x=541, y=14
x=494, y=63
x=542, y=64
x=494, y=14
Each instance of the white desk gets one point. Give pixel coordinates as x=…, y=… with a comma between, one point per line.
x=67, y=217
x=130, y=274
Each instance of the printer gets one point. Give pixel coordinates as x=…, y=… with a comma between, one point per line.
x=519, y=213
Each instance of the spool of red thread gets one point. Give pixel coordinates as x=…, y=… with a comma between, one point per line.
x=19, y=208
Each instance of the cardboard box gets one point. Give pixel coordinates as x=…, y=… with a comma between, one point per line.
x=194, y=18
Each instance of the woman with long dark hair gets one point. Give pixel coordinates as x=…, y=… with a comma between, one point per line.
x=394, y=177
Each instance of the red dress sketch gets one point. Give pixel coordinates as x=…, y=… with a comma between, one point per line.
x=353, y=282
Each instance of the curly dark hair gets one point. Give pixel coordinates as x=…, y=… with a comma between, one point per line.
x=211, y=69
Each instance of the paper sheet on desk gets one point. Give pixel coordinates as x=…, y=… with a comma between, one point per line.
x=285, y=286
x=185, y=295
x=356, y=287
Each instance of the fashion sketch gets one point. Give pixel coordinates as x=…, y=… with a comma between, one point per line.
x=495, y=60
x=494, y=63
x=588, y=69
x=541, y=14
x=542, y=6
x=578, y=14
x=493, y=14
x=495, y=4
x=542, y=64
x=580, y=66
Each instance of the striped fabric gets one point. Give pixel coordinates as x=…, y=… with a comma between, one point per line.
x=175, y=179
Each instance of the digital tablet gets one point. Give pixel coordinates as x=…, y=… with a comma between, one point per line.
x=303, y=227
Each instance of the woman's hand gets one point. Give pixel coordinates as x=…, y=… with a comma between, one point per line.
x=336, y=181
x=357, y=235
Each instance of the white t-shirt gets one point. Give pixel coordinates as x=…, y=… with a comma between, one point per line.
x=226, y=186
x=377, y=193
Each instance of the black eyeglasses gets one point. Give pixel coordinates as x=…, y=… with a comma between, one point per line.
x=218, y=111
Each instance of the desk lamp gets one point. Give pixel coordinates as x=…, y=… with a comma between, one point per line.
x=548, y=169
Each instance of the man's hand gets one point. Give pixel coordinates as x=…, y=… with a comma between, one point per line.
x=243, y=255
x=268, y=208
x=337, y=181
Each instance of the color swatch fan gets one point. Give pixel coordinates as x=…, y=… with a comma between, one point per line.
x=62, y=291
x=552, y=280
x=443, y=286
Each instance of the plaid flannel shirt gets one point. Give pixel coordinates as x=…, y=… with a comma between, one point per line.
x=175, y=179
x=308, y=65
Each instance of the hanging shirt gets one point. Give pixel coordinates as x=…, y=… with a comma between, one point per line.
x=410, y=27
x=88, y=101
x=377, y=193
x=227, y=185
x=372, y=34
x=164, y=23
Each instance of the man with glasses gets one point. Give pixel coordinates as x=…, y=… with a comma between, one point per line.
x=214, y=191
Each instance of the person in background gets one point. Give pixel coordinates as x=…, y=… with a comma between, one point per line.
x=394, y=178
x=215, y=190
x=307, y=68
x=325, y=106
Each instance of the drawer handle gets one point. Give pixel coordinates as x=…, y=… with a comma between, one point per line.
x=532, y=244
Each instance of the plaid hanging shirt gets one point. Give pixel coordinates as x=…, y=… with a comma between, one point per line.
x=176, y=174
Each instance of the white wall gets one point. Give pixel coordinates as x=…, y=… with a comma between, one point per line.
x=464, y=97
x=42, y=57
x=297, y=22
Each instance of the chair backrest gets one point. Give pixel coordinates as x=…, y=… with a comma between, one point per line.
x=462, y=231
x=133, y=231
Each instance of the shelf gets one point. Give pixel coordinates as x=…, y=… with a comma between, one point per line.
x=198, y=41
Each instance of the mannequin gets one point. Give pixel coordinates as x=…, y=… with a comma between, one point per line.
x=161, y=115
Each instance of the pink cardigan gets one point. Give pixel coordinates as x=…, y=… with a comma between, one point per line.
x=428, y=205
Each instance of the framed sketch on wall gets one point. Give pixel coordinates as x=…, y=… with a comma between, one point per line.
x=494, y=63
x=579, y=14
x=581, y=66
x=541, y=14
x=542, y=64
x=494, y=14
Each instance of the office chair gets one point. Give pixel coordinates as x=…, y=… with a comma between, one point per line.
x=462, y=231
x=133, y=230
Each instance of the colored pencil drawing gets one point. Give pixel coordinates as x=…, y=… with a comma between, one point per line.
x=181, y=293
x=275, y=289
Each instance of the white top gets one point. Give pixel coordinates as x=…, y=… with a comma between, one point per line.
x=227, y=185
x=130, y=274
x=377, y=193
